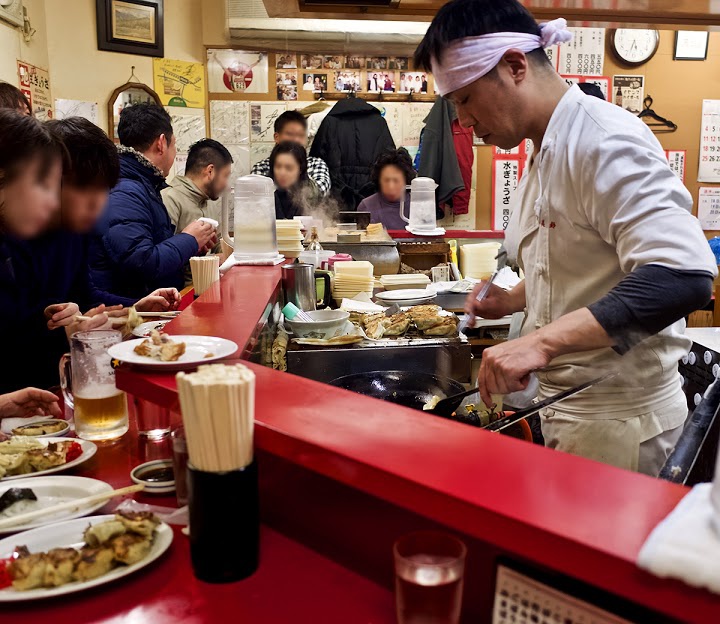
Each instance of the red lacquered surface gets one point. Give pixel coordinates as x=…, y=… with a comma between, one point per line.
x=450, y=234
x=292, y=584
x=577, y=517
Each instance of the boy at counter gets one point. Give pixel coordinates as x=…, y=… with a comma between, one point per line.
x=135, y=249
x=292, y=126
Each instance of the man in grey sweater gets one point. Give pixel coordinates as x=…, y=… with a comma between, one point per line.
x=189, y=196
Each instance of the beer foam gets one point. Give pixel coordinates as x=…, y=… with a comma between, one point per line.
x=98, y=391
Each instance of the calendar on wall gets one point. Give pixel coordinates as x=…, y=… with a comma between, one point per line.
x=709, y=162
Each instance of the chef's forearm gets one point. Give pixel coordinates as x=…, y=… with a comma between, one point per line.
x=572, y=333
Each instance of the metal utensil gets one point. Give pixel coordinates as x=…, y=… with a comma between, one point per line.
x=481, y=295
x=392, y=310
x=522, y=414
x=447, y=406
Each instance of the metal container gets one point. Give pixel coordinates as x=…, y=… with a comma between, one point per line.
x=383, y=254
x=299, y=285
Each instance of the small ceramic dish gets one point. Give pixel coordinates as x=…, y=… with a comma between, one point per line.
x=157, y=476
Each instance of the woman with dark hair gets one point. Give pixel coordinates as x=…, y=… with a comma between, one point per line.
x=11, y=97
x=288, y=169
x=391, y=173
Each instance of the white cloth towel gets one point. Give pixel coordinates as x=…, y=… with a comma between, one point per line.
x=686, y=545
x=233, y=261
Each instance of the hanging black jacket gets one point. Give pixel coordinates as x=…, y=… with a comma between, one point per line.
x=349, y=140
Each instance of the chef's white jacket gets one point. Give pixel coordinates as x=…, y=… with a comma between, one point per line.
x=598, y=201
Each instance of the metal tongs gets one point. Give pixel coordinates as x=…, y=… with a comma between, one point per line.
x=481, y=295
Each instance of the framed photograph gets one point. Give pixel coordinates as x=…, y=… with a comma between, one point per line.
x=413, y=82
x=237, y=71
x=311, y=61
x=347, y=81
x=285, y=61
x=286, y=86
x=398, y=62
x=376, y=63
x=131, y=26
x=381, y=81
x=691, y=45
x=333, y=62
x=317, y=83
x=355, y=62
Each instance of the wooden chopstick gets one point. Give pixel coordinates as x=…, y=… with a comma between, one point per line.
x=69, y=505
x=172, y=314
x=113, y=319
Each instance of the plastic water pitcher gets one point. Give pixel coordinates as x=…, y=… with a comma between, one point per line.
x=253, y=205
x=422, y=205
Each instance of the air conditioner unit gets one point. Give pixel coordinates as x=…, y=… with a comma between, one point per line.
x=12, y=11
x=251, y=28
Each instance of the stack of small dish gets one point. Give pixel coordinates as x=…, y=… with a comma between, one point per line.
x=409, y=297
x=353, y=278
x=397, y=282
x=289, y=238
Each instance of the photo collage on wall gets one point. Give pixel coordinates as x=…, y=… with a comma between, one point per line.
x=356, y=73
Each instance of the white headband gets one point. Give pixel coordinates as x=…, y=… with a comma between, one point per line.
x=466, y=60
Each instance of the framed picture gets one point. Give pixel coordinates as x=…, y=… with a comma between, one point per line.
x=691, y=45
x=131, y=26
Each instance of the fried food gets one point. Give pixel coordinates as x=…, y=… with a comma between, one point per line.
x=27, y=570
x=39, y=428
x=397, y=324
x=130, y=548
x=337, y=340
x=446, y=327
x=140, y=522
x=93, y=562
x=15, y=445
x=423, y=310
x=159, y=346
x=43, y=458
x=59, y=566
x=97, y=534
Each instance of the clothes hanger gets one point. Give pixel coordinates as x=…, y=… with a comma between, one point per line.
x=663, y=125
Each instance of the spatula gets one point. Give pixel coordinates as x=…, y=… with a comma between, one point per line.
x=447, y=406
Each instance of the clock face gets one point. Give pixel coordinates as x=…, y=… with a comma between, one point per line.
x=635, y=46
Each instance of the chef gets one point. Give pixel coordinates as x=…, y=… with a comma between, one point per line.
x=602, y=228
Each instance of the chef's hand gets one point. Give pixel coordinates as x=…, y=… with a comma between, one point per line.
x=29, y=402
x=61, y=314
x=202, y=231
x=160, y=300
x=99, y=319
x=506, y=367
x=496, y=304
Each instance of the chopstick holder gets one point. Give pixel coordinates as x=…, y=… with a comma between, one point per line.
x=218, y=407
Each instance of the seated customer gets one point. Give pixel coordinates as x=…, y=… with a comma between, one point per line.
x=292, y=126
x=29, y=402
x=30, y=174
x=58, y=265
x=391, y=173
x=135, y=249
x=288, y=164
x=207, y=174
x=11, y=97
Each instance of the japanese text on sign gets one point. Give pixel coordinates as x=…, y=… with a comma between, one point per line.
x=676, y=160
x=709, y=166
x=585, y=54
x=709, y=208
x=506, y=176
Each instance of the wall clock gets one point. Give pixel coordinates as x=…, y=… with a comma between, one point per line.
x=634, y=46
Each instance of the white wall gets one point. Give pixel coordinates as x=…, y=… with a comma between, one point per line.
x=12, y=46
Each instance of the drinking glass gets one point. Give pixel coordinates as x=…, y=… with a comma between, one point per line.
x=180, y=460
x=153, y=420
x=429, y=568
x=87, y=379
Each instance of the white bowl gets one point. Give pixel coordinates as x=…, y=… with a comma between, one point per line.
x=328, y=324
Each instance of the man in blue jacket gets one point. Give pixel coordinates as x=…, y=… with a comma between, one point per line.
x=135, y=249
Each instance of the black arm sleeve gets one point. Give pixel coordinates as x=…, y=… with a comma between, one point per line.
x=648, y=300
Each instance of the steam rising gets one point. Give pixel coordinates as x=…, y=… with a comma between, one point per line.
x=313, y=204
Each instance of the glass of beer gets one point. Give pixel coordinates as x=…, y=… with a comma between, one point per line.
x=87, y=379
x=429, y=567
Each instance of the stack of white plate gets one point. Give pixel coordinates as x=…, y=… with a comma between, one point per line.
x=399, y=282
x=479, y=261
x=353, y=278
x=289, y=238
x=409, y=297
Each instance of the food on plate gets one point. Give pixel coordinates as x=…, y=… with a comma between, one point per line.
x=13, y=496
x=130, y=548
x=397, y=324
x=59, y=566
x=133, y=319
x=446, y=327
x=23, y=455
x=40, y=428
x=97, y=534
x=93, y=562
x=348, y=339
x=159, y=346
x=124, y=540
x=431, y=403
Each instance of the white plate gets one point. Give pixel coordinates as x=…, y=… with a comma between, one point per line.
x=198, y=350
x=57, y=434
x=67, y=534
x=88, y=450
x=143, y=330
x=438, y=231
x=407, y=293
x=53, y=491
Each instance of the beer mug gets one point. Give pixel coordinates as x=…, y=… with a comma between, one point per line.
x=87, y=380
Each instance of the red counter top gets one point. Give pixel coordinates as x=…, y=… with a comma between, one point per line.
x=577, y=517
